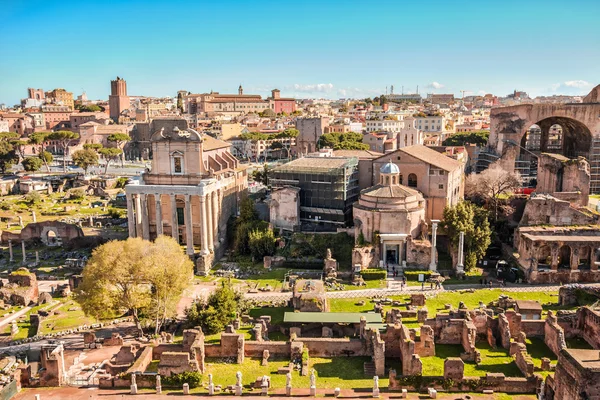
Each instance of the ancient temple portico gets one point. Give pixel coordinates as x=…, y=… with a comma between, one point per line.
x=193, y=188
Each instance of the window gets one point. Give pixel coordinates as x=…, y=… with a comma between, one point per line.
x=177, y=164
x=431, y=171
x=441, y=186
x=412, y=180
x=180, y=218
x=400, y=179
x=441, y=172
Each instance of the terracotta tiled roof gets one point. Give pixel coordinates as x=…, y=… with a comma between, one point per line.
x=429, y=156
x=357, y=153
x=210, y=143
x=396, y=191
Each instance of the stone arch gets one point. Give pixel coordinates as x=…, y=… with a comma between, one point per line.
x=544, y=256
x=564, y=256
x=572, y=140
x=412, y=180
x=50, y=236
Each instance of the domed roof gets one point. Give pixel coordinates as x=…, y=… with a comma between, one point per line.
x=389, y=168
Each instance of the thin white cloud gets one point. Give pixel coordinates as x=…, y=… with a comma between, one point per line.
x=577, y=84
x=574, y=87
x=313, y=88
x=435, y=85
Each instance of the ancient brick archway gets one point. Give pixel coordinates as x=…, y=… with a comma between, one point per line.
x=580, y=123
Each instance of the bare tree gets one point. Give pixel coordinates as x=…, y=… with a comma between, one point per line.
x=492, y=184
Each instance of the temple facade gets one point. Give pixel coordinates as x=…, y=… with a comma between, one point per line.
x=194, y=186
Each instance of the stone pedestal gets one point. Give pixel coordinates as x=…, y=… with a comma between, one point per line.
x=134, y=389
x=288, y=390
x=264, y=391
x=238, y=390
x=404, y=394
x=211, y=389
x=375, y=392
x=186, y=388
x=336, y=392
x=37, y=397
x=432, y=393
x=204, y=263
x=313, y=391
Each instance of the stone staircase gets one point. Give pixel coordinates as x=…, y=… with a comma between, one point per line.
x=369, y=368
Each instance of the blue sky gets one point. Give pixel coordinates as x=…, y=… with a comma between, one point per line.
x=305, y=48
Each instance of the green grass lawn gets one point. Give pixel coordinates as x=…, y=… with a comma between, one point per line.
x=492, y=360
x=65, y=319
x=342, y=372
x=537, y=349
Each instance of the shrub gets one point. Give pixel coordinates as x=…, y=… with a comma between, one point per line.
x=413, y=275
x=33, y=198
x=116, y=213
x=121, y=182
x=374, y=274
x=193, y=378
x=77, y=194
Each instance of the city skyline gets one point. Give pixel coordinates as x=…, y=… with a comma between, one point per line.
x=329, y=50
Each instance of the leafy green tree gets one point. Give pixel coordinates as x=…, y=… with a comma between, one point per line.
x=261, y=243
x=8, y=156
x=217, y=311
x=247, y=211
x=343, y=141
x=90, y=108
x=134, y=276
x=32, y=164
x=262, y=176
x=93, y=146
x=39, y=139
x=180, y=102
x=46, y=158
x=473, y=221
x=171, y=271
x=19, y=146
x=120, y=139
x=478, y=138
x=65, y=139
x=110, y=154
x=85, y=158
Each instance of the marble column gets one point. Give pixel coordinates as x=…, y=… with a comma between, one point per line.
x=460, y=262
x=434, y=225
x=23, y=249
x=209, y=222
x=203, y=231
x=189, y=231
x=130, y=216
x=174, y=228
x=158, y=212
x=10, y=251
x=215, y=217
x=138, y=215
x=144, y=214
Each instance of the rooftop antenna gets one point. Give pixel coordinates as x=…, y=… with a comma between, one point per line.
x=392, y=89
x=402, y=89
x=417, y=89
x=386, y=90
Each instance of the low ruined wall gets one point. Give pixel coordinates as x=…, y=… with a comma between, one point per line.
x=493, y=381
x=142, y=361
x=212, y=350
x=564, y=276
x=533, y=328
x=255, y=349
x=161, y=348
x=554, y=335
x=325, y=347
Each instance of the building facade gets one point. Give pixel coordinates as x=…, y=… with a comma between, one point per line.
x=194, y=186
x=438, y=177
x=391, y=216
x=60, y=97
x=328, y=188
